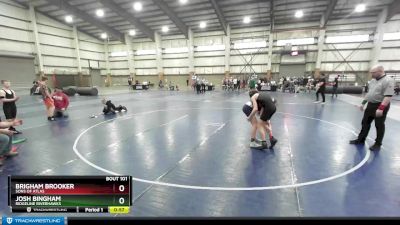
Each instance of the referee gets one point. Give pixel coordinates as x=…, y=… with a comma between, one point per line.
x=378, y=97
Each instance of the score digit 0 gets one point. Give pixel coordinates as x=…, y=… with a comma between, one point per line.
x=121, y=188
x=121, y=201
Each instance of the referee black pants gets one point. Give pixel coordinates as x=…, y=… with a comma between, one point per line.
x=322, y=92
x=369, y=116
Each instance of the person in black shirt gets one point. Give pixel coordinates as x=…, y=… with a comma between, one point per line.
x=264, y=103
x=321, y=89
x=109, y=107
x=8, y=98
x=335, y=86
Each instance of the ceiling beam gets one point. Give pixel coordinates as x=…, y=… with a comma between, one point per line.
x=220, y=15
x=172, y=15
x=128, y=17
x=64, y=5
x=271, y=16
x=328, y=13
x=393, y=9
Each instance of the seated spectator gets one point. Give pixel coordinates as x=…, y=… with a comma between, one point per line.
x=397, y=89
x=6, y=148
x=61, y=103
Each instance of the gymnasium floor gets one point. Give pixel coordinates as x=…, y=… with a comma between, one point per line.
x=189, y=155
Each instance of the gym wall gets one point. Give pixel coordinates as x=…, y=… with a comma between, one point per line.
x=59, y=53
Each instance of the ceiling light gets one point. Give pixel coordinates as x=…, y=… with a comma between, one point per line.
x=132, y=32
x=203, y=25
x=360, y=8
x=69, y=19
x=138, y=6
x=100, y=13
x=165, y=29
x=246, y=19
x=299, y=14
x=104, y=35
x=183, y=1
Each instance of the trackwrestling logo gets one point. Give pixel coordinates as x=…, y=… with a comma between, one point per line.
x=33, y=220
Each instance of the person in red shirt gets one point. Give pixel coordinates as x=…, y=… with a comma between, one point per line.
x=61, y=103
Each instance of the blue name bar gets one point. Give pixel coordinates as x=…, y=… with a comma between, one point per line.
x=32, y=220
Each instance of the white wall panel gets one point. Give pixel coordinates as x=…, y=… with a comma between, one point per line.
x=52, y=50
x=91, y=55
x=145, y=64
x=119, y=72
x=175, y=62
x=174, y=43
x=14, y=46
x=53, y=40
x=145, y=57
x=349, y=45
x=120, y=64
x=391, y=44
x=349, y=55
x=181, y=71
x=57, y=61
x=146, y=72
x=11, y=22
x=172, y=56
x=117, y=48
x=216, y=53
x=366, y=26
x=390, y=54
x=357, y=66
x=13, y=11
x=210, y=61
x=13, y=34
x=42, y=19
x=391, y=66
x=54, y=31
x=84, y=45
x=213, y=40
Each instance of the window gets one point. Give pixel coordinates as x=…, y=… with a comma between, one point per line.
x=176, y=50
x=395, y=76
x=346, y=39
x=244, y=45
x=205, y=48
x=146, y=52
x=119, y=54
x=391, y=36
x=298, y=41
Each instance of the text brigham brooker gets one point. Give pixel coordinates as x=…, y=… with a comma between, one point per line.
x=44, y=186
x=39, y=198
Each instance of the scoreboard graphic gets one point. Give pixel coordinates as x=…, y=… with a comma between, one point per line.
x=69, y=194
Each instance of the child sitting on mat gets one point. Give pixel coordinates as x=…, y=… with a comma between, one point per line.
x=109, y=107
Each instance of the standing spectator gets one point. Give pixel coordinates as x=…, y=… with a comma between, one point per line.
x=335, y=86
x=198, y=87
x=35, y=88
x=129, y=81
x=8, y=98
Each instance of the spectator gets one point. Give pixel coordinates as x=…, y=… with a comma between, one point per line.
x=61, y=103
